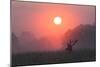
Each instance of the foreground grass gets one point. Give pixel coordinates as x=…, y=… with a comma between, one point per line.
x=53, y=57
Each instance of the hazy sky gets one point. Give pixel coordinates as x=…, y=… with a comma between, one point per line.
x=38, y=17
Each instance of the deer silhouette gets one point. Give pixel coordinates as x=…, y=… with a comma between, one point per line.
x=70, y=44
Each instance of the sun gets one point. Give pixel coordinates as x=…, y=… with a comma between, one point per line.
x=57, y=20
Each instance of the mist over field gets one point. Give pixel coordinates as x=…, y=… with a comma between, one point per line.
x=35, y=34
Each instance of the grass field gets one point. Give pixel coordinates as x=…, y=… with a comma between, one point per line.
x=53, y=57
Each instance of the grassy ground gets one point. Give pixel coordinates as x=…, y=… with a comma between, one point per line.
x=53, y=57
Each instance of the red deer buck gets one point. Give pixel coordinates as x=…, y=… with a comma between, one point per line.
x=70, y=44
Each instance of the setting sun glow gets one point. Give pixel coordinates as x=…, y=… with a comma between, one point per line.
x=57, y=20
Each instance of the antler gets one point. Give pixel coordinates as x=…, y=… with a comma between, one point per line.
x=72, y=42
x=75, y=42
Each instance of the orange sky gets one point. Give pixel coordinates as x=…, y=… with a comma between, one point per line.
x=45, y=21
x=37, y=18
